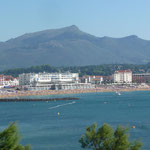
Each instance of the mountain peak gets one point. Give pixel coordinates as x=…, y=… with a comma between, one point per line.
x=132, y=37
x=73, y=28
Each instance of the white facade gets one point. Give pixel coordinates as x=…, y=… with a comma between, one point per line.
x=27, y=79
x=97, y=79
x=8, y=81
x=92, y=79
x=31, y=78
x=62, y=86
x=123, y=76
x=1, y=80
x=14, y=82
x=65, y=77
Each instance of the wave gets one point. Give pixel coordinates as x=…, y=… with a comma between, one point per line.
x=62, y=105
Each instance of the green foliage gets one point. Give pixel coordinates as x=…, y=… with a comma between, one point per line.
x=121, y=139
x=105, y=138
x=9, y=139
x=103, y=70
x=20, y=147
x=33, y=69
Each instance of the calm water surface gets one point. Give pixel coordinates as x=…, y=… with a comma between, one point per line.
x=45, y=130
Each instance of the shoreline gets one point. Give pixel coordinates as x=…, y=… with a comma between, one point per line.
x=75, y=91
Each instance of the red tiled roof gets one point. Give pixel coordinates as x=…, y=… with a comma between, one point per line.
x=6, y=77
x=121, y=71
x=96, y=79
x=98, y=76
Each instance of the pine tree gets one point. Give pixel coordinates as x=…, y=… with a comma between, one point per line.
x=9, y=139
x=105, y=138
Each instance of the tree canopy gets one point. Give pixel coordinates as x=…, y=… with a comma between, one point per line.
x=9, y=139
x=105, y=138
x=104, y=70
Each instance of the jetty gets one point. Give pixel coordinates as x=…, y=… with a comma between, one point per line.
x=36, y=99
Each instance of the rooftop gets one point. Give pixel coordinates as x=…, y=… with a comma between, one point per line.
x=123, y=71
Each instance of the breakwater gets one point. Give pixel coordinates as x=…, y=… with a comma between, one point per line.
x=36, y=99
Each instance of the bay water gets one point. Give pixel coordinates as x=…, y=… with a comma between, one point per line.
x=58, y=125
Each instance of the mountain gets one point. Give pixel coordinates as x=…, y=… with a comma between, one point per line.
x=70, y=46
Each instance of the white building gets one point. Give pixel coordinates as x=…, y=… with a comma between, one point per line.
x=8, y=81
x=92, y=79
x=1, y=81
x=27, y=78
x=48, y=78
x=123, y=76
x=65, y=77
x=13, y=82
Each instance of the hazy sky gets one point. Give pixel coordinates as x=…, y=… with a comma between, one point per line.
x=115, y=18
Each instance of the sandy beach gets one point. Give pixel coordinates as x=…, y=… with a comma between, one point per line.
x=76, y=91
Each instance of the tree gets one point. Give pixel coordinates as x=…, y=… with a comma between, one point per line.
x=105, y=138
x=9, y=139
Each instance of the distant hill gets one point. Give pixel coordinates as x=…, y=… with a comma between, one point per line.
x=69, y=47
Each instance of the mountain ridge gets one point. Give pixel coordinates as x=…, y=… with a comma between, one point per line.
x=70, y=46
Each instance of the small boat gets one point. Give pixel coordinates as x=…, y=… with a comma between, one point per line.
x=133, y=127
x=118, y=93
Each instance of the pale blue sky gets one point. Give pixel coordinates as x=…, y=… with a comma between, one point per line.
x=115, y=18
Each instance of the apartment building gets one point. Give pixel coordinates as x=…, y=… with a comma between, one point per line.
x=48, y=78
x=123, y=76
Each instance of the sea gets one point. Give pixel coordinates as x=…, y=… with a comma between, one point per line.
x=58, y=125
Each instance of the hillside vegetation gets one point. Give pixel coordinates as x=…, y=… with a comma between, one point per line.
x=103, y=70
x=70, y=46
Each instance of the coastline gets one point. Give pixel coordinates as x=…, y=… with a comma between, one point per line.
x=75, y=91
